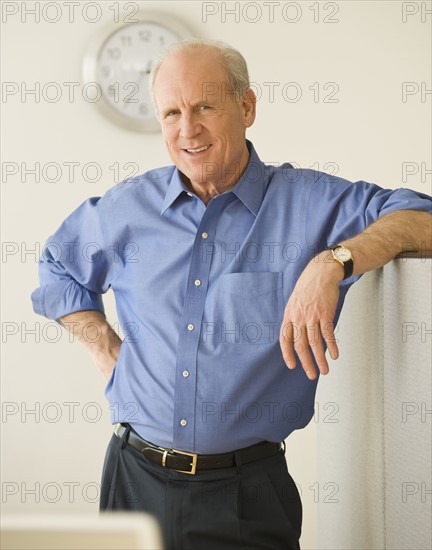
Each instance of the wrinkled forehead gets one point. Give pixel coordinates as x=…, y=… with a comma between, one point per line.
x=196, y=75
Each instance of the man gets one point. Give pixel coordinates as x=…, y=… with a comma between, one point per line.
x=225, y=271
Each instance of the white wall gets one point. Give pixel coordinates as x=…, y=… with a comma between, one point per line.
x=369, y=133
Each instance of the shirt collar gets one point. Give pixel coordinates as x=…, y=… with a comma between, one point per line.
x=175, y=188
x=251, y=186
x=249, y=189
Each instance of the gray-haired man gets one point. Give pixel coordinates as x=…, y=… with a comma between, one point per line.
x=238, y=271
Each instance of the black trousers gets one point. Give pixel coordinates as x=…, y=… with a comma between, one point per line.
x=250, y=506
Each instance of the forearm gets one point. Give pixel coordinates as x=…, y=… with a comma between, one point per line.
x=310, y=311
x=403, y=231
x=93, y=331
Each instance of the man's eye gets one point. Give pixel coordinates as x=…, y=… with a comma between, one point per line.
x=204, y=107
x=170, y=116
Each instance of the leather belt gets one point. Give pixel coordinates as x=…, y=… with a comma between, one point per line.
x=189, y=463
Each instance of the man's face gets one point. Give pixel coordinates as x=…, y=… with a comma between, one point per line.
x=203, y=125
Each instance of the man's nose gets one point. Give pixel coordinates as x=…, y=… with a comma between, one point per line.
x=189, y=126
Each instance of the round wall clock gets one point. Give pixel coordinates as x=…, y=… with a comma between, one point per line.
x=120, y=59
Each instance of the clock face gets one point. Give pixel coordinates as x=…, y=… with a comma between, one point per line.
x=124, y=66
x=120, y=62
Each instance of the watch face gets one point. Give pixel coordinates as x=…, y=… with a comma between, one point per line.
x=124, y=64
x=342, y=254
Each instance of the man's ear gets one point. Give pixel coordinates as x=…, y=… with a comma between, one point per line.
x=249, y=107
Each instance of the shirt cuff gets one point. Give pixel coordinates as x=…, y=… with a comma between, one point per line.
x=63, y=297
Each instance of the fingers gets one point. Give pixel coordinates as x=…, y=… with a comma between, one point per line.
x=315, y=339
x=287, y=338
x=327, y=330
x=302, y=349
x=294, y=337
x=305, y=341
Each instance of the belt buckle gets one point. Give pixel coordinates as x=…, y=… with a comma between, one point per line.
x=193, y=464
x=117, y=429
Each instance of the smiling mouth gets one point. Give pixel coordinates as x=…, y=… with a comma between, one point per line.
x=197, y=150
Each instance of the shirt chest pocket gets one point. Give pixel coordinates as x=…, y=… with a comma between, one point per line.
x=250, y=307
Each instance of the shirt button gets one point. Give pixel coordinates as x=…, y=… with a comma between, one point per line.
x=185, y=373
x=190, y=194
x=183, y=422
x=204, y=235
x=190, y=327
x=197, y=282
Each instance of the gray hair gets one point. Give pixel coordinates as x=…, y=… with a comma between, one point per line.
x=233, y=61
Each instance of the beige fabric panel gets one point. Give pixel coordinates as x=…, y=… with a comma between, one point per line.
x=374, y=448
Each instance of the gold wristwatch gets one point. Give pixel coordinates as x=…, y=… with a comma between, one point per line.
x=344, y=257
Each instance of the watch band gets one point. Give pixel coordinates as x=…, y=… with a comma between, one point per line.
x=348, y=265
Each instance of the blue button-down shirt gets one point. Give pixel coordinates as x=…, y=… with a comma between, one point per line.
x=200, y=294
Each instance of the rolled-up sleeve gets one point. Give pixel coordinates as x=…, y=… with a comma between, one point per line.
x=76, y=266
x=347, y=208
